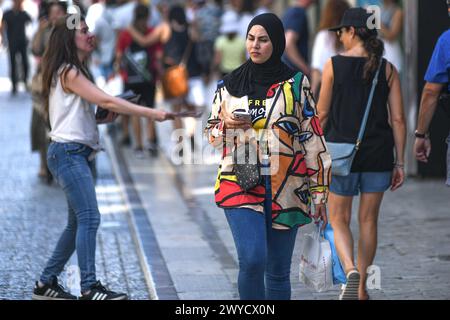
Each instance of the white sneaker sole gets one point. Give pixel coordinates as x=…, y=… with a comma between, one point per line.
x=39, y=297
x=351, y=288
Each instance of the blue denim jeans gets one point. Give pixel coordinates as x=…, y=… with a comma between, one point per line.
x=264, y=254
x=69, y=165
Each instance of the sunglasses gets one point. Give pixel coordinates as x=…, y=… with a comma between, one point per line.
x=339, y=33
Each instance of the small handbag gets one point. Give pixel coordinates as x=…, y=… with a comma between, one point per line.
x=247, y=174
x=342, y=154
x=175, y=80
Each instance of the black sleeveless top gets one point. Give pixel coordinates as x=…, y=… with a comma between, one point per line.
x=349, y=100
x=175, y=49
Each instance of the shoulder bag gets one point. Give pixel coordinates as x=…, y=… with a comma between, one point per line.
x=175, y=79
x=342, y=154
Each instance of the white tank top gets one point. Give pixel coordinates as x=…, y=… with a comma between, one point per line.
x=72, y=119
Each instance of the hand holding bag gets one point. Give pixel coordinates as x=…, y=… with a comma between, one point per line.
x=315, y=269
x=342, y=154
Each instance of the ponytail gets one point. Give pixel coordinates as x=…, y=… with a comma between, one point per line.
x=374, y=48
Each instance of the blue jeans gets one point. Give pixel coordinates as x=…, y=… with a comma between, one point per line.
x=263, y=253
x=69, y=165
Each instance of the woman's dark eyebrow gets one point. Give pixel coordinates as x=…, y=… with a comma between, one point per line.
x=260, y=37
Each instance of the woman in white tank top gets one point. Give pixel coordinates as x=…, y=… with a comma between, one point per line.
x=75, y=140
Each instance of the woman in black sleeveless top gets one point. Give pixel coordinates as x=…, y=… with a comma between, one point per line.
x=346, y=83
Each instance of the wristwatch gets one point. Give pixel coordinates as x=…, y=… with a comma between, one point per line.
x=420, y=135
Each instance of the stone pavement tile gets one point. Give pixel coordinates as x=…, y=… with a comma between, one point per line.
x=192, y=267
x=208, y=295
x=200, y=254
x=232, y=275
x=206, y=283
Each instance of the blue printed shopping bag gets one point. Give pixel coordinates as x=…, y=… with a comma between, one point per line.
x=338, y=272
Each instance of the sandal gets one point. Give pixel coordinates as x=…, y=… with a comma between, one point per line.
x=350, y=289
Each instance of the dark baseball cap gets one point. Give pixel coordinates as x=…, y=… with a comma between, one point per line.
x=353, y=17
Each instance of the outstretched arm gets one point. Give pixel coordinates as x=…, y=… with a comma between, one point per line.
x=80, y=85
x=148, y=39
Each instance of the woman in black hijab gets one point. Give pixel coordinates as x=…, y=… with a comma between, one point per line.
x=293, y=162
x=242, y=81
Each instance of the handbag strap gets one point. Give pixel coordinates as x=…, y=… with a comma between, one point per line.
x=368, y=107
x=187, y=53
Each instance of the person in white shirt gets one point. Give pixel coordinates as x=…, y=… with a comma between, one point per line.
x=70, y=94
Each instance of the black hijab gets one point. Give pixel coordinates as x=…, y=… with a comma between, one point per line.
x=241, y=81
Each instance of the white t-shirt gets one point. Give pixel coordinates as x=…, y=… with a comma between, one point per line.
x=323, y=49
x=72, y=119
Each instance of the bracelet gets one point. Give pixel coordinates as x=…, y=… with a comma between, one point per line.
x=399, y=165
x=421, y=135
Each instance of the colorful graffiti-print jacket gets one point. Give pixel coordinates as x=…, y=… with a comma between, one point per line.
x=299, y=159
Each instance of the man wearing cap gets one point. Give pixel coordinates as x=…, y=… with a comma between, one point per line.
x=437, y=81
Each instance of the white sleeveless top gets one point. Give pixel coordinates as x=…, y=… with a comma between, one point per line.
x=72, y=119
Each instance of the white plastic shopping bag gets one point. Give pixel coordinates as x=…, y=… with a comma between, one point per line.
x=316, y=263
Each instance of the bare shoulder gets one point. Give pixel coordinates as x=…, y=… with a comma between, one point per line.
x=71, y=73
x=164, y=32
x=71, y=77
x=391, y=73
x=328, y=69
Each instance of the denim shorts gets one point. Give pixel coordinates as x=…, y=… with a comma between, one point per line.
x=363, y=182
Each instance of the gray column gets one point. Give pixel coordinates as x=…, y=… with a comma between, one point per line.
x=409, y=79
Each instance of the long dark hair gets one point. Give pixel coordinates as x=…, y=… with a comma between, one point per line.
x=141, y=14
x=374, y=47
x=178, y=15
x=61, y=50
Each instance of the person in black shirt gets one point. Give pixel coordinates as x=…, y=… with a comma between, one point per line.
x=15, y=21
x=346, y=83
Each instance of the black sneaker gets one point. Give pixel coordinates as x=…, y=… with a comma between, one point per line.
x=153, y=149
x=52, y=291
x=99, y=292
